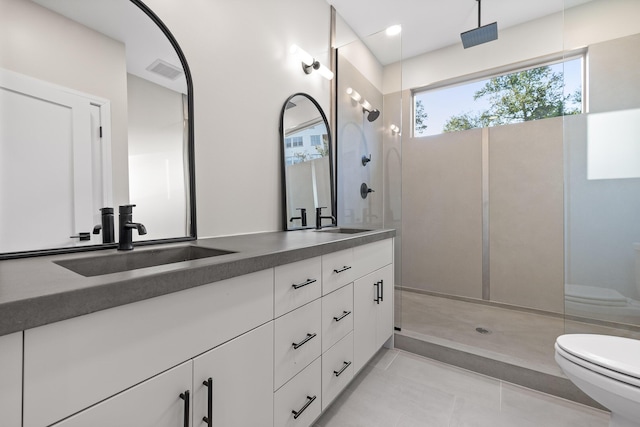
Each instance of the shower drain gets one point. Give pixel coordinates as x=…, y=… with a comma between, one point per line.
x=483, y=331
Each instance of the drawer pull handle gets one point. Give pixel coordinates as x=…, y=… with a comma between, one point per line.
x=303, y=342
x=209, y=418
x=301, y=285
x=344, y=367
x=185, y=396
x=296, y=414
x=344, y=314
x=345, y=268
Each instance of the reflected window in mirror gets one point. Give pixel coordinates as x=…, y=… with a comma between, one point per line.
x=307, y=172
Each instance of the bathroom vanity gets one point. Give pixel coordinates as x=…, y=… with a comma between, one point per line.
x=267, y=334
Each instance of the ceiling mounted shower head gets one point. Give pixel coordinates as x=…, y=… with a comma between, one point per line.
x=373, y=115
x=482, y=34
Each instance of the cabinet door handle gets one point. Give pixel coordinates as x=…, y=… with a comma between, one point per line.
x=344, y=314
x=299, y=412
x=377, y=298
x=345, y=268
x=344, y=367
x=381, y=290
x=209, y=418
x=301, y=285
x=303, y=342
x=185, y=396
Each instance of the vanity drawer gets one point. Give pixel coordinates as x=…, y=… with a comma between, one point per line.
x=372, y=256
x=337, y=270
x=75, y=363
x=301, y=395
x=297, y=341
x=337, y=369
x=297, y=284
x=337, y=316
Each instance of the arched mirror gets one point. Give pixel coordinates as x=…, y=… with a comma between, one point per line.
x=95, y=112
x=307, y=171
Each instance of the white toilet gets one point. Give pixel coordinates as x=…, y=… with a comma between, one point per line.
x=606, y=368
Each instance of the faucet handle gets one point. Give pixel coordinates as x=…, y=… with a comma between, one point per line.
x=126, y=209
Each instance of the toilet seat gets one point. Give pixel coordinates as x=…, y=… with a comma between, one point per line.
x=615, y=357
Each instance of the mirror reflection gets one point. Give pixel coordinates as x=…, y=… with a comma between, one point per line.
x=306, y=159
x=93, y=114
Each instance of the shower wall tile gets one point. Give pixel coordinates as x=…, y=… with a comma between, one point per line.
x=442, y=213
x=526, y=214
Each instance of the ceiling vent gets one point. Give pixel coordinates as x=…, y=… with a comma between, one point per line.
x=165, y=69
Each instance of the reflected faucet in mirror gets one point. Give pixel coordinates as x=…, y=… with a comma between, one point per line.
x=302, y=217
x=127, y=226
x=106, y=226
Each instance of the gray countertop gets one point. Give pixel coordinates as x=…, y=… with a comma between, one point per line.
x=36, y=291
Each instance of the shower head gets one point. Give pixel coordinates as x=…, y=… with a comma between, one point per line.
x=482, y=34
x=373, y=115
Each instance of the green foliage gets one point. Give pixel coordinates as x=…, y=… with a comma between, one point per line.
x=532, y=94
x=421, y=118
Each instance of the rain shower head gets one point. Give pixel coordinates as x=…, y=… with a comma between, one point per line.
x=373, y=115
x=482, y=34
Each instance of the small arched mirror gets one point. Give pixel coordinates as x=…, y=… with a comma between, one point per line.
x=307, y=171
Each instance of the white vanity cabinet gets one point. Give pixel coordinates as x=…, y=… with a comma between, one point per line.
x=162, y=401
x=73, y=364
x=11, y=380
x=373, y=307
x=235, y=380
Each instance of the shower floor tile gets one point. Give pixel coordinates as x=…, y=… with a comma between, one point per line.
x=517, y=337
x=400, y=389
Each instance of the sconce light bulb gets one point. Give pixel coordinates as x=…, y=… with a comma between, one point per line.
x=354, y=95
x=394, y=30
x=302, y=55
x=366, y=105
x=325, y=72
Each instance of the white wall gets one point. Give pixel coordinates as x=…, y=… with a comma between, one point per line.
x=238, y=53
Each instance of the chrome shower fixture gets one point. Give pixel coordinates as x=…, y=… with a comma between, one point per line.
x=481, y=34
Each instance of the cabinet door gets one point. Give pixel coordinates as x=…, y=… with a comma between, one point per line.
x=241, y=373
x=11, y=380
x=384, y=310
x=364, y=320
x=156, y=402
x=373, y=314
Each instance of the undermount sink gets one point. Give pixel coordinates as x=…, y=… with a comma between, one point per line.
x=115, y=263
x=342, y=230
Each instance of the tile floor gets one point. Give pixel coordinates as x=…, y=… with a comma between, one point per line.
x=400, y=389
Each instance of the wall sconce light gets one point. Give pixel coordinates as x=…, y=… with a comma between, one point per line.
x=395, y=129
x=353, y=94
x=309, y=63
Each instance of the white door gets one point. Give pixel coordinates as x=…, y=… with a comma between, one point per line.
x=45, y=146
x=365, y=314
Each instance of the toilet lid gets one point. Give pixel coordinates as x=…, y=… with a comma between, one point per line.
x=615, y=353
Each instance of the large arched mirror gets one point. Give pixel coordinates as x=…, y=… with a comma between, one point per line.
x=95, y=112
x=307, y=172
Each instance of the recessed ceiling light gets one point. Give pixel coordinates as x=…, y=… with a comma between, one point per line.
x=394, y=30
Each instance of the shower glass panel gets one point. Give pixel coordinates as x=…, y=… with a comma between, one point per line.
x=368, y=136
x=602, y=174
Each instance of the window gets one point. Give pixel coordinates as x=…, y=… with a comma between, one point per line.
x=316, y=140
x=294, y=141
x=549, y=90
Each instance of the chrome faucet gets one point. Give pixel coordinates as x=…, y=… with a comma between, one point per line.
x=127, y=226
x=319, y=218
